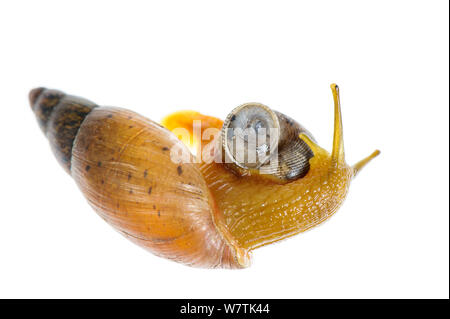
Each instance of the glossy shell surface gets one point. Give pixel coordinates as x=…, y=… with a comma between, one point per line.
x=121, y=162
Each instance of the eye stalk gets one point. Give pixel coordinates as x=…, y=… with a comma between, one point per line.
x=338, y=153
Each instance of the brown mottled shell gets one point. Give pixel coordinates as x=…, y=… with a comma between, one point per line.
x=282, y=156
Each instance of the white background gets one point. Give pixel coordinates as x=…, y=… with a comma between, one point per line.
x=390, y=58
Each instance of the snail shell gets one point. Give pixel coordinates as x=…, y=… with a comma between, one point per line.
x=121, y=162
x=257, y=140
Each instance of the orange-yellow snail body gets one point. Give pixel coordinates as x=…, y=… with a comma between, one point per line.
x=260, y=179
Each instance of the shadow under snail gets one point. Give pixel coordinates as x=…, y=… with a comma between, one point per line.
x=208, y=213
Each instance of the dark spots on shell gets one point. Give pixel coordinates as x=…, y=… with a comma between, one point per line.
x=159, y=213
x=131, y=191
x=109, y=116
x=87, y=168
x=99, y=164
x=129, y=176
x=145, y=173
x=130, y=117
x=118, y=205
x=131, y=126
x=103, y=182
x=154, y=206
x=149, y=190
x=233, y=118
x=165, y=148
x=179, y=170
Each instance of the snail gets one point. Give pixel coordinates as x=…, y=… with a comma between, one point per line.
x=248, y=191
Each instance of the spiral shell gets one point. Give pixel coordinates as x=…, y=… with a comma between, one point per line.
x=258, y=140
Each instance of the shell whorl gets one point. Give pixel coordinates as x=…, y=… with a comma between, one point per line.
x=59, y=116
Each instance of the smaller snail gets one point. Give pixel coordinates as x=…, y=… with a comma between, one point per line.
x=260, y=179
x=281, y=135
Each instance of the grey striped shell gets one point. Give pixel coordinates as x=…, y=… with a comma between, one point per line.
x=258, y=140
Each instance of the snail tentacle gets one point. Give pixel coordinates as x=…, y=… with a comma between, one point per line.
x=338, y=154
x=362, y=163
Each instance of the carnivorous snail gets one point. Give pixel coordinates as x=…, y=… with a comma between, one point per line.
x=260, y=178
